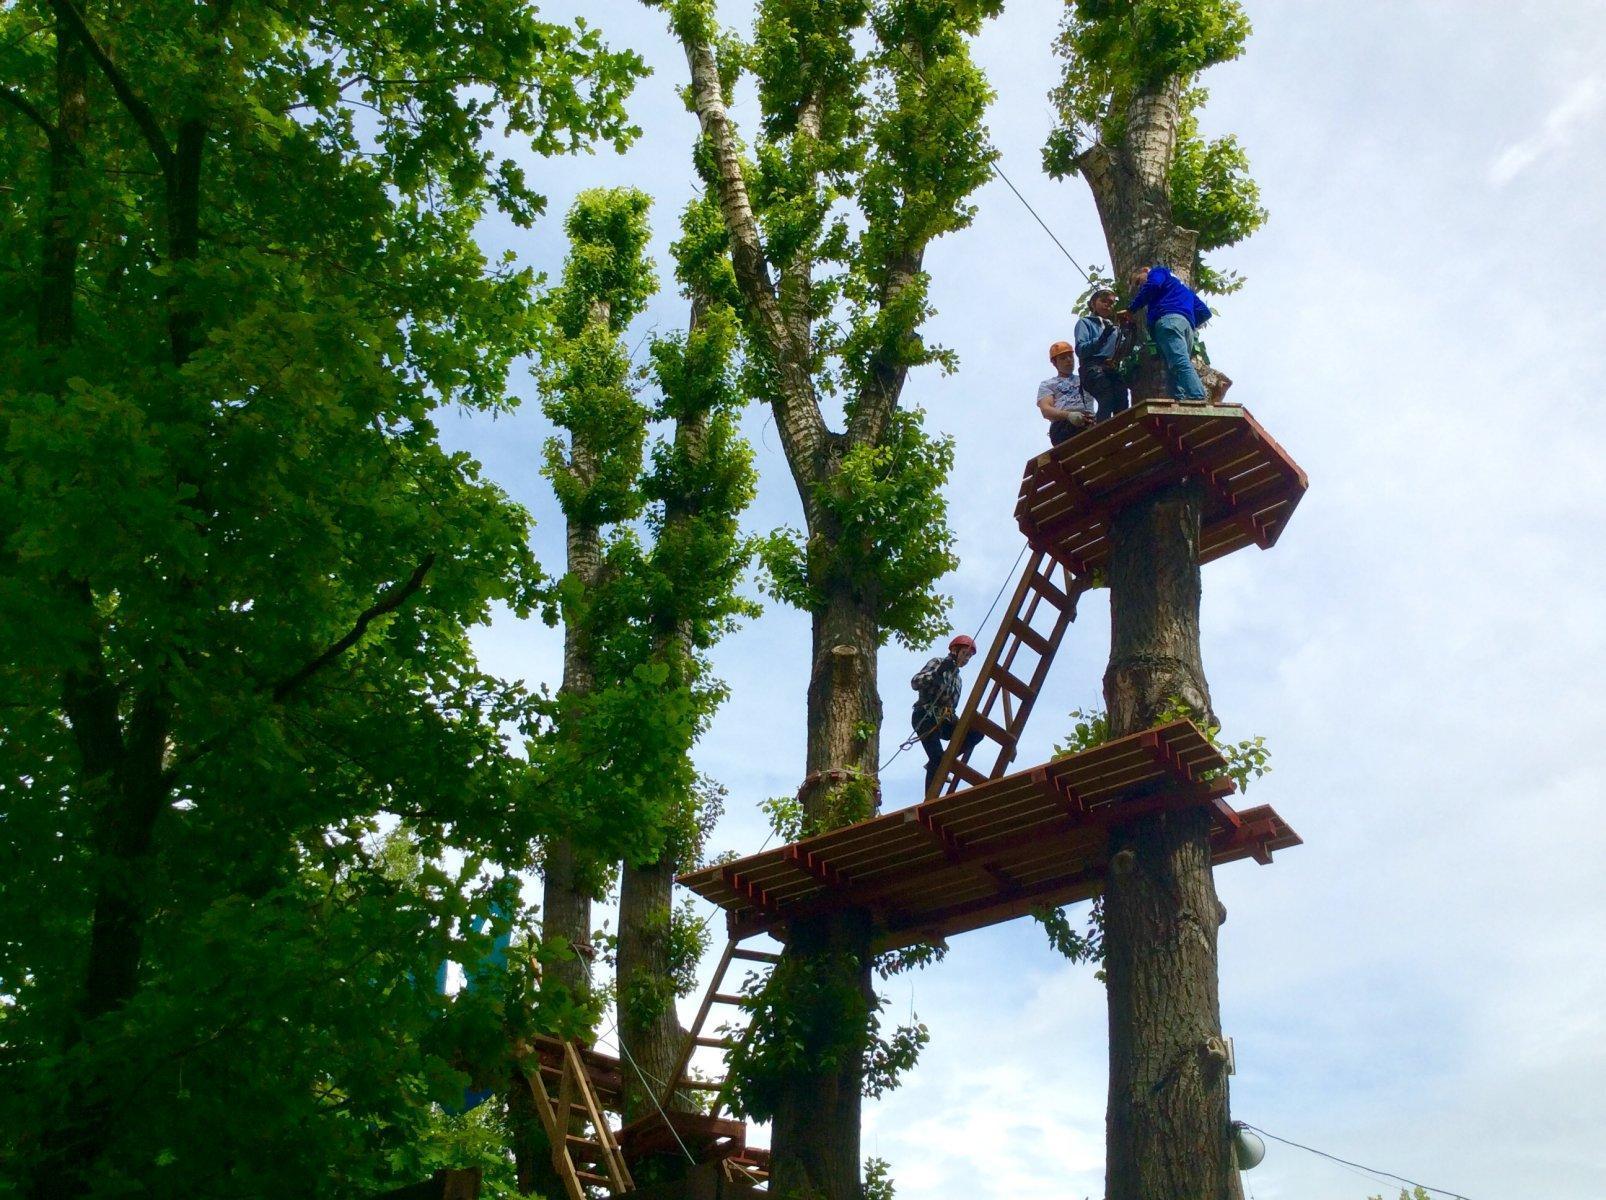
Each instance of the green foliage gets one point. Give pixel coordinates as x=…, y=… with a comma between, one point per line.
x=643, y=998
x=1117, y=51
x=888, y=535
x=1091, y=728
x=1213, y=193
x=878, y=1180
x=1080, y=947
x=1246, y=760
x=910, y=958
x=211, y=477
x=813, y=1015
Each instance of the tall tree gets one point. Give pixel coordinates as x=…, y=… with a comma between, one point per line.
x=238, y=569
x=1128, y=124
x=594, y=468
x=869, y=143
x=1127, y=106
x=699, y=483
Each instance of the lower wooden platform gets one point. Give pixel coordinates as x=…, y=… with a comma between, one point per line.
x=994, y=851
x=1071, y=491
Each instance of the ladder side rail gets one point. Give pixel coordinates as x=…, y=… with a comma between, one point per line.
x=618, y=1176
x=950, y=754
x=556, y=1132
x=677, y=1077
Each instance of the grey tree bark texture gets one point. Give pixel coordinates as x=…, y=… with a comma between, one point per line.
x=1168, y=1125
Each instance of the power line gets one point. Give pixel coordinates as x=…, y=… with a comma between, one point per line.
x=1358, y=1166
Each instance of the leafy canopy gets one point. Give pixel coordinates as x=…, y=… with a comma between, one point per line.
x=202, y=536
x=1117, y=51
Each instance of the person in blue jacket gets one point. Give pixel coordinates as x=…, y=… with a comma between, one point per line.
x=1174, y=314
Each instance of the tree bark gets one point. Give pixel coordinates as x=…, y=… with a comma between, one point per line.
x=815, y=1145
x=650, y=1032
x=1168, y=1126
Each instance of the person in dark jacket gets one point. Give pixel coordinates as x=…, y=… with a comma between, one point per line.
x=936, y=709
x=1174, y=315
x=1101, y=344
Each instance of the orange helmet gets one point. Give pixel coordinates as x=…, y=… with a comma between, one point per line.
x=963, y=641
x=1059, y=348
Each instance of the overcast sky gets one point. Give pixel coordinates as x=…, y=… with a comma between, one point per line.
x=1421, y=986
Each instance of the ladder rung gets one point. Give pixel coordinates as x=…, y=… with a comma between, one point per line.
x=763, y=956
x=1049, y=592
x=1002, y=736
x=700, y=1085
x=728, y=998
x=969, y=774
x=715, y=1043
x=593, y=1150
x=593, y=1178
x=1030, y=636
x=1015, y=687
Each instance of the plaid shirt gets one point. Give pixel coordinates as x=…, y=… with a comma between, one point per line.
x=937, y=685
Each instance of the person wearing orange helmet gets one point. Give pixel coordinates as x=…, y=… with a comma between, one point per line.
x=1060, y=398
x=936, y=688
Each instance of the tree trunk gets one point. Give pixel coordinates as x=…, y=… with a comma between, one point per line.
x=844, y=712
x=815, y=1148
x=650, y=1032
x=1168, y=1126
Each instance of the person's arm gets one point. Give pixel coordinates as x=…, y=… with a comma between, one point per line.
x=1149, y=291
x=925, y=675
x=1050, y=411
x=1087, y=335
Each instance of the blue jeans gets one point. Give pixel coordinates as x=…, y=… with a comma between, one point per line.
x=1173, y=338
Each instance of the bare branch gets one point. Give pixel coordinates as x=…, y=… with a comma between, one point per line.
x=23, y=105
x=389, y=601
x=393, y=598
x=141, y=113
x=797, y=410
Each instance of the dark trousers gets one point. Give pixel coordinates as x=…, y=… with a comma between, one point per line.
x=933, y=741
x=1106, y=386
x=1060, y=431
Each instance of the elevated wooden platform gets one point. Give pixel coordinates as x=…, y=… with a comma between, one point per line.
x=1071, y=491
x=993, y=851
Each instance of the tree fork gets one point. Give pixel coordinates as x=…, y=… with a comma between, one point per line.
x=1168, y=1126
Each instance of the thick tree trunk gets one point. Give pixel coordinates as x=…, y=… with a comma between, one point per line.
x=650, y=1032
x=844, y=709
x=815, y=1146
x=1168, y=1125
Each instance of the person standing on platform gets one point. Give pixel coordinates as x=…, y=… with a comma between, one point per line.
x=1101, y=344
x=1174, y=315
x=1060, y=397
x=936, y=710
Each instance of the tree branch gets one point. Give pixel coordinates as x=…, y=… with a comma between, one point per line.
x=22, y=104
x=393, y=598
x=389, y=601
x=141, y=113
x=797, y=411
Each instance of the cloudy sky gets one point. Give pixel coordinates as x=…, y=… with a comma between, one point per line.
x=1421, y=986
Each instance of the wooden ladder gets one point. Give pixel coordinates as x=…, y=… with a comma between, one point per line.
x=1002, y=697
x=696, y=1037
x=591, y=1155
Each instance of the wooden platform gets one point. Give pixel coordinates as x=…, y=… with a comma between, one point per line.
x=1071, y=491
x=993, y=851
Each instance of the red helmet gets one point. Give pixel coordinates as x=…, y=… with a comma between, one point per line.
x=964, y=641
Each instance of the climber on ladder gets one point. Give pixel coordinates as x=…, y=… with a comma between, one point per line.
x=936, y=688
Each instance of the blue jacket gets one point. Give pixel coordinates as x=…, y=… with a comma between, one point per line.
x=1163, y=293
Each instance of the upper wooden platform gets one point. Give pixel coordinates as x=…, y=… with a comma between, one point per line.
x=1071, y=491
x=993, y=851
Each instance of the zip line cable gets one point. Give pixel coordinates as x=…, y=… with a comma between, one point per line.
x=1346, y=1162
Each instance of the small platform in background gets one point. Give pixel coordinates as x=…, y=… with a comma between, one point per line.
x=1071, y=491
x=993, y=851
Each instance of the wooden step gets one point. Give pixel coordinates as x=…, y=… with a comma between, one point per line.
x=584, y=1149
x=969, y=774
x=1015, y=687
x=594, y=1179
x=701, y=1085
x=1049, y=591
x=763, y=956
x=728, y=998
x=1000, y=735
x=714, y=1043
x=1030, y=637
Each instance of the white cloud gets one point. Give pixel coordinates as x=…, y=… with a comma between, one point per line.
x=1561, y=125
